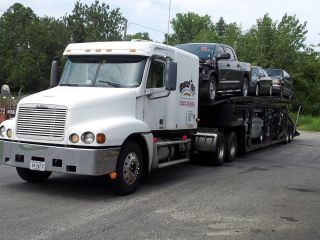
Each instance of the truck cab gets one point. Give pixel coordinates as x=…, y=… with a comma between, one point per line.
x=113, y=101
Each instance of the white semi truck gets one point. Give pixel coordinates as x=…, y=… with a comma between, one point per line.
x=124, y=108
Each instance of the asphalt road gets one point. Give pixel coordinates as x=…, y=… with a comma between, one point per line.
x=272, y=193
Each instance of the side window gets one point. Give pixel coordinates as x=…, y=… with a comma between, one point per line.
x=261, y=73
x=229, y=50
x=156, y=74
x=219, y=50
x=286, y=75
x=255, y=72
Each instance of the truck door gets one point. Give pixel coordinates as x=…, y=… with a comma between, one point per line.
x=223, y=69
x=233, y=77
x=156, y=96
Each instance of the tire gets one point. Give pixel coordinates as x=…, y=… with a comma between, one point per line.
x=217, y=157
x=32, y=175
x=270, y=91
x=129, y=169
x=245, y=87
x=256, y=92
x=281, y=93
x=208, y=90
x=261, y=137
x=231, y=147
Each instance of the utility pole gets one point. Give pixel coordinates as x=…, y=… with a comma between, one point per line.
x=125, y=29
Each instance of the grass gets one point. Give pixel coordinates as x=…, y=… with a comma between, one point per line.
x=309, y=123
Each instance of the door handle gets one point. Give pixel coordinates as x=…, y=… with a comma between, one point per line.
x=228, y=65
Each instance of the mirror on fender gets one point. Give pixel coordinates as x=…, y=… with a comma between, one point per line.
x=53, y=75
x=171, y=76
x=223, y=56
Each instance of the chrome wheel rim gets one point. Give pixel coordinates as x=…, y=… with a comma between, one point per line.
x=212, y=90
x=131, y=168
x=221, y=152
x=233, y=148
x=245, y=88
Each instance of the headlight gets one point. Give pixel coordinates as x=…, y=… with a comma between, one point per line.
x=276, y=81
x=74, y=138
x=9, y=133
x=3, y=131
x=87, y=137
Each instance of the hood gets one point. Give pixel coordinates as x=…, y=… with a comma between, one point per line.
x=80, y=97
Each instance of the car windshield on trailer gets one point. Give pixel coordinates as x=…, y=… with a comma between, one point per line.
x=203, y=51
x=274, y=72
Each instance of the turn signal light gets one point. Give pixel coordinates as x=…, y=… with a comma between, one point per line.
x=101, y=138
x=113, y=175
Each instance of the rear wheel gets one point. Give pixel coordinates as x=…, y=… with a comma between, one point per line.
x=32, y=175
x=129, y=169
x=232, y=147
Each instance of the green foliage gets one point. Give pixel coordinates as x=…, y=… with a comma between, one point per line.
x=94, y=23
x=308, y=122
x=188, y=26
x=139, y=35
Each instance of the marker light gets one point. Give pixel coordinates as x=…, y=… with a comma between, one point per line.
x=101, y=138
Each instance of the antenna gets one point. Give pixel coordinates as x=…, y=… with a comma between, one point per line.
x=169, y=22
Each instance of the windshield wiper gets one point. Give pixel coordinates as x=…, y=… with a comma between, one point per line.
x=110, y=83
x=69, y=84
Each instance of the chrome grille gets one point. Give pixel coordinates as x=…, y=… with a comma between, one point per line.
x=41, y=123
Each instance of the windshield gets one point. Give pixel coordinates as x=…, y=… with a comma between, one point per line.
x=103, y=71
x=203, y=51
x=274, y=72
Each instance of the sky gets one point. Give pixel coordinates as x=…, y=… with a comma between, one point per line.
x=154, y=14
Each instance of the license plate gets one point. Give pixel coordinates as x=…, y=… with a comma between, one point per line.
x=37, y=165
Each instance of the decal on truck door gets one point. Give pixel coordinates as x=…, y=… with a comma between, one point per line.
x=186, y=100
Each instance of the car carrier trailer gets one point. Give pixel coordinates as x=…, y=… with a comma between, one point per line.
x=124, y=108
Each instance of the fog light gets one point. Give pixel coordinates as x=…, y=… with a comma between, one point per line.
x=101, y=138
x=9, y=133
x=87, y=137
x=3, y=131
x=74, y=138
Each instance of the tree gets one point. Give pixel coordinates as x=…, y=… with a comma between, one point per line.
x=95, y=22
x=188, y=26
x=28, y=44
x=139, y=35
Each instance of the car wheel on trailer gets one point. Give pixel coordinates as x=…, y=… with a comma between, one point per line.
x=208, y=91
x=261, y=137
x=218, y=156
x=232, y=146
x=270, y=91
x=129, y=169
x=257, y=90
x=245, y=86
x=32, y=175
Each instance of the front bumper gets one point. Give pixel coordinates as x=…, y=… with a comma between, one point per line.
x=60, y=159
x=276, y=88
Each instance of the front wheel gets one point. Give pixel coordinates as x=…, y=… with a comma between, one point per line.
x=32, y=175
x=208, y=90
x=245, y=86
x=129, y=169
x=257, y=90
x=270, y=91
x=218, y=156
